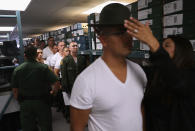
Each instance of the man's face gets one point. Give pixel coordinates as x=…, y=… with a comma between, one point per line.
x=39, y=53
x=73, y=47
x=66, y=52
x=118, y=42
x=61, y=46
x=55, y=49
x=51, y=42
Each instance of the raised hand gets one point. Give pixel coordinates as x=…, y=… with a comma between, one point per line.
x=142, y=32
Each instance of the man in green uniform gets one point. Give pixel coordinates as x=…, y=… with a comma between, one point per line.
x=71, y=66
x=31, y=84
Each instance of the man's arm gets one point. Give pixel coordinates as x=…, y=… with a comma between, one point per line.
x=56, y=71
x=79, y=118
x=64, y=73
x=143, y=116
x=55, y=87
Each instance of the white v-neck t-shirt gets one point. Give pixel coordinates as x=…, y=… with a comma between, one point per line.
x=115, y=106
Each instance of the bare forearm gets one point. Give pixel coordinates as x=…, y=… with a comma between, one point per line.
x=79, y=118
x=77, y=128
x=56, y=71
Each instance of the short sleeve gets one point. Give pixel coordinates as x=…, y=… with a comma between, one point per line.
x=82, y=95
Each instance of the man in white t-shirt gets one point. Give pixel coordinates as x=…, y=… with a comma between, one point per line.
x=48, y=60
x=56, y=59
x=47, y=51
x=108, y=94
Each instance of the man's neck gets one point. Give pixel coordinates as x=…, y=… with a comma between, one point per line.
x=73, y=54
x=112, y=61
x=50, y=47
x=61, y=53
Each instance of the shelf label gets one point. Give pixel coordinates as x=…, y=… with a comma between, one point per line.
x=94, y=53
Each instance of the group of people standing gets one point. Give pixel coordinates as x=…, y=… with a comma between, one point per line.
x=47, y=73
x=113, y=93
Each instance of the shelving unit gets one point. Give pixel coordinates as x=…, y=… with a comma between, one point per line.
x=8, y=104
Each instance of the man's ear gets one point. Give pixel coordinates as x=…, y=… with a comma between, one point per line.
x=102, y=40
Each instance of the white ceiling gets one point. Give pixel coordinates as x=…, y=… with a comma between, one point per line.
x=45, y=15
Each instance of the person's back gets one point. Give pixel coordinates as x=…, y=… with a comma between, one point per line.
x=31, y=83
x=33, y=79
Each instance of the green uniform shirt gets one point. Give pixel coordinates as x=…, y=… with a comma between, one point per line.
x=33, y=79
x=70, y=70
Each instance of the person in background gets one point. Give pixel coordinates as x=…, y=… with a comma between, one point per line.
x=31, y=83
x=42, y=44
x=169, y=99
x=48, y=60
x=108, y=94
x=55, y=63
x=15, y=62
x=39, y=56
x=59, y=62
x=56, y=59
x=66, y=52
x=47, y=51
x=37, y=42
x=71, y=66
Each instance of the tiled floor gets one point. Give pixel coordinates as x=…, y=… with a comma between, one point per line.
x=59, y=122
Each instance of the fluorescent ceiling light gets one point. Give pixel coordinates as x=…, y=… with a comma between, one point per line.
x=27, y=38
x=16, y=5
x=98, y=8
x=3, y=36
x=9, y=28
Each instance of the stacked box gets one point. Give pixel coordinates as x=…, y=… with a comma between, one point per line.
x=92, y=19
x=151, y=11
x=82, y=42
x=179, y=18
x=133, y=7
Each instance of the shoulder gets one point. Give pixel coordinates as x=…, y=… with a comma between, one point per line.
x=20, y=67
x=42, y=65
x=92, y=69
x=67, y=58
x=46, y=48
x=81, y=57
x=137, y=71
x=134, y=65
